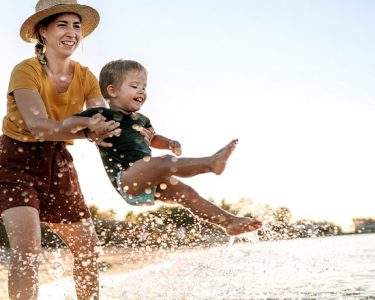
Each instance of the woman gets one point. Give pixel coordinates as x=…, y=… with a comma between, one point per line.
x=38, y=181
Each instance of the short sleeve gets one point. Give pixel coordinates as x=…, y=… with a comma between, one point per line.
x=146, y=121
x=92, y=86
x=24, y=76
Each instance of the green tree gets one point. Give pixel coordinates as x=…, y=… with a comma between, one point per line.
x=283, y=215
x=103, y=215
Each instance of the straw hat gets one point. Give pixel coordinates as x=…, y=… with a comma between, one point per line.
x=45, y=8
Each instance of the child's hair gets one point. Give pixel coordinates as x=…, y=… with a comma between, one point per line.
x=114, y=72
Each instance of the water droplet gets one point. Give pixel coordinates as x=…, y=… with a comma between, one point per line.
x=35, y=111
x=173, y=181
x=136, y=127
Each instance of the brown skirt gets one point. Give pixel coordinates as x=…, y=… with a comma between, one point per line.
x=40, y=175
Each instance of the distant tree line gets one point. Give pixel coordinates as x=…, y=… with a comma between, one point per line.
x=174, y=226
x=364, y=225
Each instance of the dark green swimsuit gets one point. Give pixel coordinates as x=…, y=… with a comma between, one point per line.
x=129, y=147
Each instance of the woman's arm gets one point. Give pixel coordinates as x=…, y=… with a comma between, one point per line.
x=33, y=111
x=96, y=125
x=76, y=123
x=97, y=102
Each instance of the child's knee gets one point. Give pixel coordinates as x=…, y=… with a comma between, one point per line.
x=168, y=159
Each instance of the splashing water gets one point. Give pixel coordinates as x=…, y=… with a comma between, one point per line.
x=315, y=268
x=251, y=237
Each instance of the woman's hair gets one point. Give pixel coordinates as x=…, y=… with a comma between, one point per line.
x=40, y=42
x=114, y=72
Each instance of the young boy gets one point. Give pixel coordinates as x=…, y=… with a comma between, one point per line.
x=137, y=176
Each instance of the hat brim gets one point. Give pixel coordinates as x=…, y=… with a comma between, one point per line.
x=90, y=19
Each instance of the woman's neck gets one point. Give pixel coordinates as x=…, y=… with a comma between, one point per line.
x=58, y=66
x=60, y=72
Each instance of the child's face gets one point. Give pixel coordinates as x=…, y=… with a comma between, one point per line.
x=132, y=93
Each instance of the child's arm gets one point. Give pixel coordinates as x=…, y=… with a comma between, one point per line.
x=161, y=142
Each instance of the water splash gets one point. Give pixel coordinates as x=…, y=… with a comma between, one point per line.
x=250, y=237
x=321, y=268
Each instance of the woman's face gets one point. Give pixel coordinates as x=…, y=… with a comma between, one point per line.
x=62, y=35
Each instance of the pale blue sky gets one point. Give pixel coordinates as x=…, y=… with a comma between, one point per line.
x=293, y=80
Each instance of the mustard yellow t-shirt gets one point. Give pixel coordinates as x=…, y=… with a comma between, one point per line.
x=29, y=75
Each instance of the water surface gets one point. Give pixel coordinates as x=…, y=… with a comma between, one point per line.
x=341, y=267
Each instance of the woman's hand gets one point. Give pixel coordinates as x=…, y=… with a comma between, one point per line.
x=147, y=133
x=100, y=129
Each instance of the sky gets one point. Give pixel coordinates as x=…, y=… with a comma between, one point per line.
x=293, y=80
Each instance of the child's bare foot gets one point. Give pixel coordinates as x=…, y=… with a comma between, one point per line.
x=241, y=225
x=220, y=158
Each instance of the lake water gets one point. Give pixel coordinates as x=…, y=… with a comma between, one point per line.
x=341, y=267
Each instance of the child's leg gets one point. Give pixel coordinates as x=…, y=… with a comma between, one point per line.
x=144, y=174
x=186, y=196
